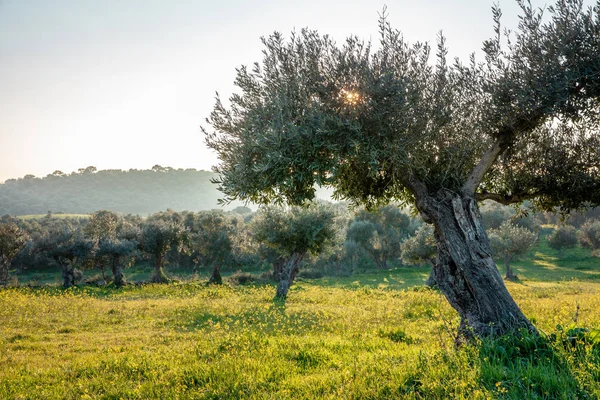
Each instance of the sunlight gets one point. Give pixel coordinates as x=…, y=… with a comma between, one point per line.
x=545, y=264
x=350, y=97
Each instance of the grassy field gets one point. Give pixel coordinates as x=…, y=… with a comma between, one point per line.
x=375, y=335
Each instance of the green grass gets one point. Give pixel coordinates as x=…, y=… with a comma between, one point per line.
x=192, y=341
x=546, y=264
x=375, y=335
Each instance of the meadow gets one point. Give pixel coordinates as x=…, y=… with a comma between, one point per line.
x=374, y=335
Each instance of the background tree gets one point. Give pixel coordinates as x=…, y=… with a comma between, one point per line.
x=420, y=249
x=157, y=238
x=101, y=228
x=387, y=125
x=213, y=232
x=293, y=232
x=562, y=237
x=380, y=233
x=493, y=214
x=589, y=236
x=68, y=249
x=115, y=251
x=12, y=240
x=510, y=242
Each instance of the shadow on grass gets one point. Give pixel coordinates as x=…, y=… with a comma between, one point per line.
x=525, y=366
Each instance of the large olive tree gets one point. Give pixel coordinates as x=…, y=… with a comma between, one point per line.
x=387, y=124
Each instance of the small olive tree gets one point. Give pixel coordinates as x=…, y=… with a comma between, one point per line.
x=510, y=242
x=212, y=238
x=157, y=238
x=421, y=249
x=115, y=240
x=293, y=232
x=562, y=237
x=12, y=240
x=67, y=248
x=380, y=233
x=589, y=236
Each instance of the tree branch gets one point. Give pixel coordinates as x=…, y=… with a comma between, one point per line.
x=505, y=199
x=487, y=160
x=419, y=190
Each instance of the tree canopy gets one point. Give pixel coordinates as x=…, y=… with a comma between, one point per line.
x=386, y=123
x=383, y=123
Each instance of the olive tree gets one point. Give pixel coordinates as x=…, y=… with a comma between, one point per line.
x=388, y=124
x=589, y=236
x=67, y=248
x=12, y=240
x=115, y=240
x=212, y=238
x=293, y=232
x=510, y=242
x=420, y=249
x=379, y=233
x=562, y=237
x=157, y=238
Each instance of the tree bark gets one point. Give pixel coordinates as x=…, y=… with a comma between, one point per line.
x=159, y=275
x=465, y=271
x=216, y=278
x=288, y=274
x=510, y=276
x=68, y=273
x=278, y=269
x=118, y=277
x=4, y=275
x=431, y=279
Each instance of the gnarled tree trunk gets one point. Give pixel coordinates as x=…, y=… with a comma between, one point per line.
x=288, y=274
x=278, y=268
x=465, y=271
x=510, y=275
x=118, y=277
x=4, y=275
x=159, y=275
x=216, y=278
x=68, y=273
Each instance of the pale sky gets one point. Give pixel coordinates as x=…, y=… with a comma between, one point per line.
x=126, y=83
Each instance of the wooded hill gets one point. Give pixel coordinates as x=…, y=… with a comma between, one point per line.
x=133, y=191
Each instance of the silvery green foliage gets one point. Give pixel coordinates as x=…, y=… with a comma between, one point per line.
x=379, y=233
x=511, y=241
x=391, y=124
x=13, y=239
x=563, y=237
x=295, y=230
x=420, y=248
x=589, y=236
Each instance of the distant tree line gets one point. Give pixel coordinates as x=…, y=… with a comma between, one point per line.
x=280, y=243
x=87, y=190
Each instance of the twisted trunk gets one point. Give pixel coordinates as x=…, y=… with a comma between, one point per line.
x=510, y=275
x=117, y=270
x=288, y=274
x=278, y=268
x=465, y=271
x=159, y=275
x=216, y=278
x=4, y=275
x=68, y=273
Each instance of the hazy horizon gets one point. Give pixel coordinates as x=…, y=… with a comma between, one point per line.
x=126, y=84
